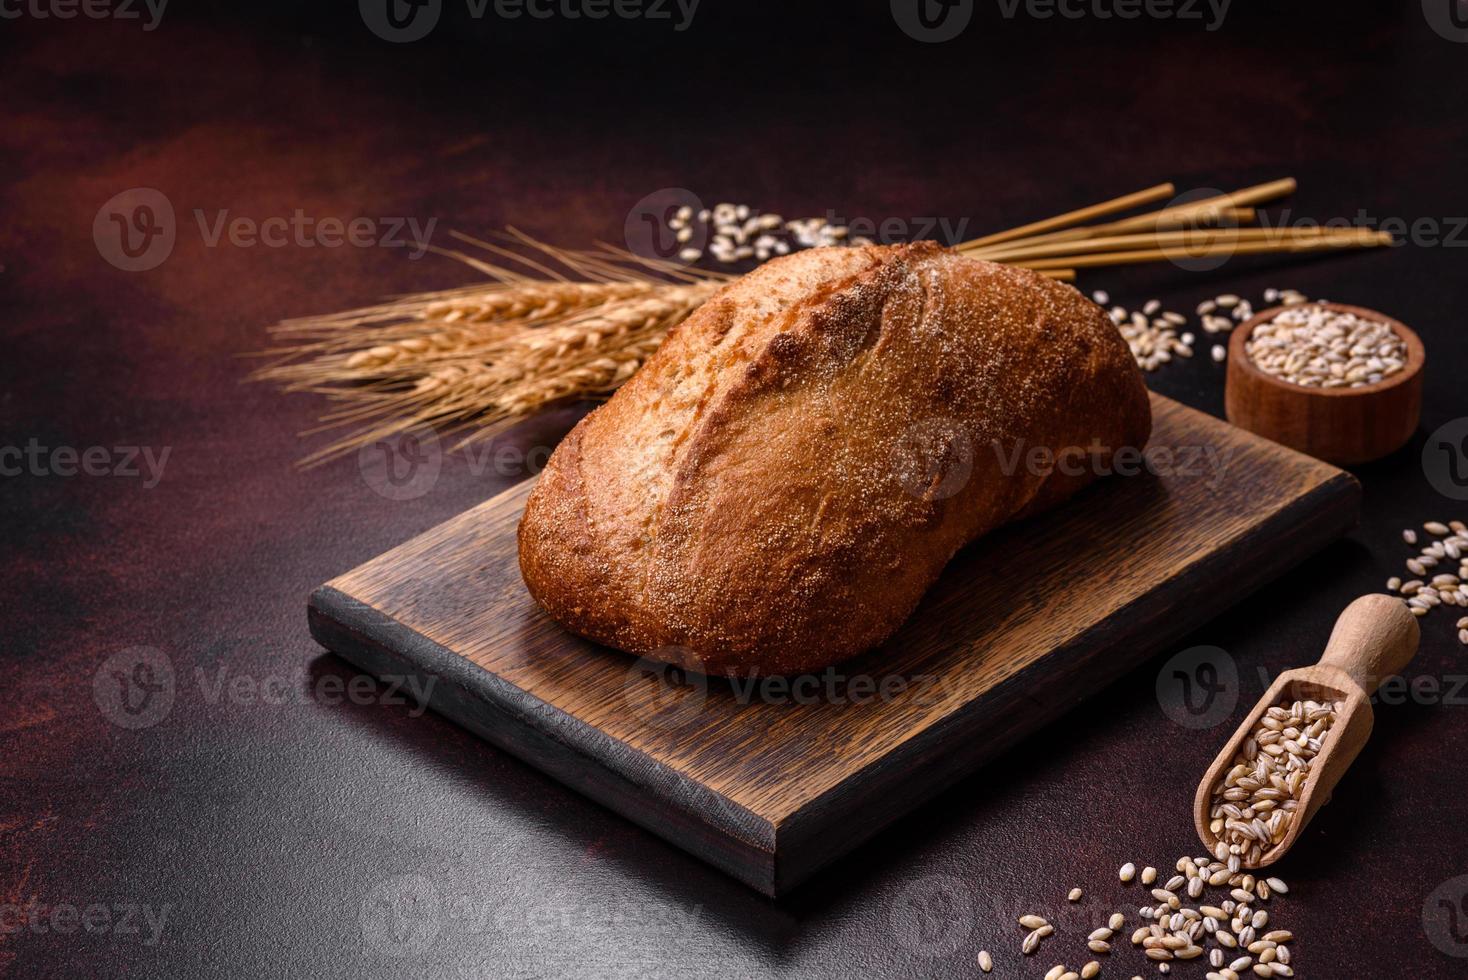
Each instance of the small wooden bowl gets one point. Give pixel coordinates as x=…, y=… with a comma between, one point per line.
x=1339, y=425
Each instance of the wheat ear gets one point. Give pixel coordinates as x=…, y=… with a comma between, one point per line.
x=482, y=357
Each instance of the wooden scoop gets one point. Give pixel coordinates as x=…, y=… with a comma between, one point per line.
x=1374, y=639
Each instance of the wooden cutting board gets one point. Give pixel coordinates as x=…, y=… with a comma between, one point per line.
x=771, y=783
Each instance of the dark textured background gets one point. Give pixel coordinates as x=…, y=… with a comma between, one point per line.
x=313, y=838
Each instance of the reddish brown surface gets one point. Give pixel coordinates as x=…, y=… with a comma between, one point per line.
x=276, y=835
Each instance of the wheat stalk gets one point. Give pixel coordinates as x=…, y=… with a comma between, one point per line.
x=484, y=356
x=428, y=329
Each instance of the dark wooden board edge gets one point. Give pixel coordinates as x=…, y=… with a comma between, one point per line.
x=688, y=814
x=929, y=763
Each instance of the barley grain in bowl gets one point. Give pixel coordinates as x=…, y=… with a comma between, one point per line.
x=1342, y=383
x=1318, y=347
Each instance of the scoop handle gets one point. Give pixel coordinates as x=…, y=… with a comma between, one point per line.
x=1374, y=638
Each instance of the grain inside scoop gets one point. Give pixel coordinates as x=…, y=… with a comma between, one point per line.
x=1285, y=759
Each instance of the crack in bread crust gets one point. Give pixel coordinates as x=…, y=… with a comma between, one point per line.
x=744, y=502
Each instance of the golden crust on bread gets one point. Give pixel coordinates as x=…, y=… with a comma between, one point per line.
x=782, y=481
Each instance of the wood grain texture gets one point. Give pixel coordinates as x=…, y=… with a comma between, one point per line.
x=770, y=784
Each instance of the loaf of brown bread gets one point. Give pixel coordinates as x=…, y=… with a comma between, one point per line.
x=777, y=487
